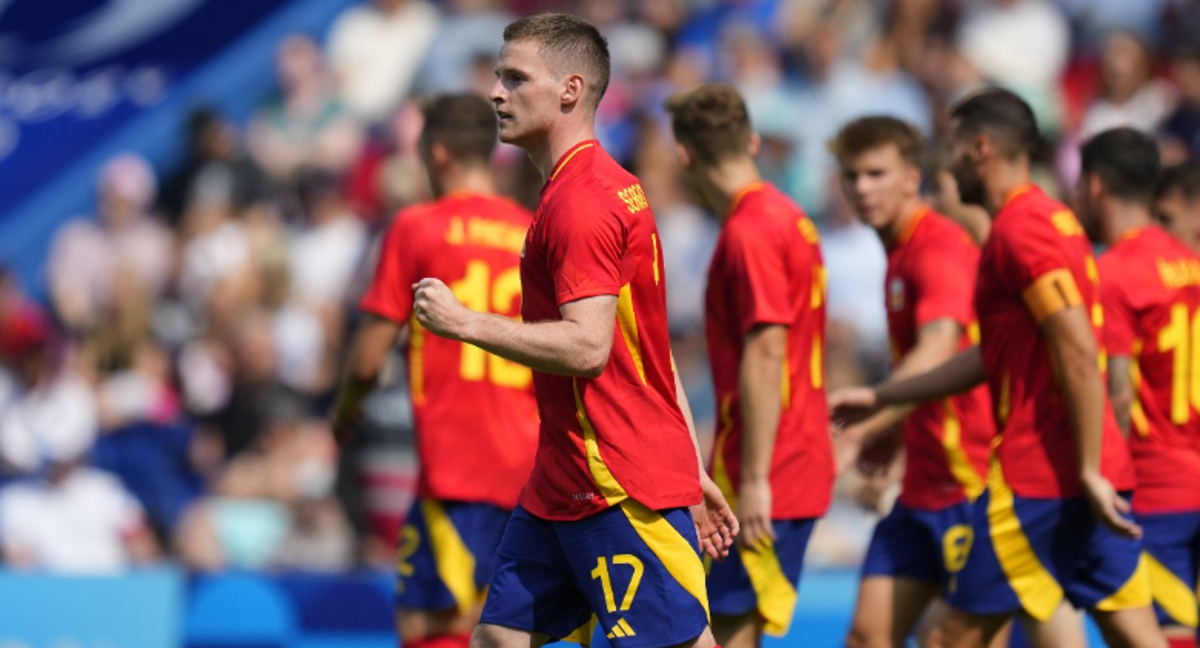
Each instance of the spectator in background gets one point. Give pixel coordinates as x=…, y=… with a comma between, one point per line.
x=1130, y=93
x=1177, y=203
x=125, y=241
x=214, y=158
x=375, y=49
x=1181, y=130
x=1020, y=44
x=468, y=32
x=272, y=507
x=306, y=124
x=62, y=515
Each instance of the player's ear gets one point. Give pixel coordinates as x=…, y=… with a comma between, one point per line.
x=684, y=155
x=755, y=144
x=439, y=154
x=572, y=89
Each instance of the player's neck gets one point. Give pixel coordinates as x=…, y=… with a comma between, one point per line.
x=1002, y=179
x=558, y=143
x=720, y=184
x=890, y=233
x=475, y=179
x=1122, y=217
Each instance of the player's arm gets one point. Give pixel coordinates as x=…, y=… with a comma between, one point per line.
x=1054, y=300
x=1120, y=390
x=374, y=338
x=576, y=345
x=764, y=355
x=716, y=525
x=937, y=343
x=960, y=373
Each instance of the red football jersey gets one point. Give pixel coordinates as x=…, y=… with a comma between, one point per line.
x=621, y=434
x=1150, y=287
x=767, y=269
x=475, y=415
x=930, y=277
x=1035, y=262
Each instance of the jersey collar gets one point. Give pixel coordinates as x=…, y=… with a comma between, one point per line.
x=1017, y=192
x=910, y=227
x=757, y=185
x=562, y=162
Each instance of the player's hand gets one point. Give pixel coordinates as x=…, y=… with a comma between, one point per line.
x=754, y=514
x=716, y=525
x=877, y=456
x=1108, y=506
x=851, y=405
x=847, y=443
x=438, y=310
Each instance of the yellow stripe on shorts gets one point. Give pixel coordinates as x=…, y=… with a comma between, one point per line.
x=1135, y=593
x=670, y=547
x=1170, y=592
x=1036, y=588
x=775, y=593
x=455, y=563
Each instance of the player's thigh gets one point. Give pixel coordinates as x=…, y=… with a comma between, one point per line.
x=740, y=631
x=888, y=609
x=959, y=629
x=416, y=624
x=1130, y=628
x=1063, y=629
x=637, y=567
x=489, y=635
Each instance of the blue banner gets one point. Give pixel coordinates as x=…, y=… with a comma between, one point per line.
x=91, y=78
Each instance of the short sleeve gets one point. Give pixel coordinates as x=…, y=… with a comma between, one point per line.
x=585, y=243
x=944, y=283
x=1119, y=315
x=756, y=268
x=390, y=293
x=1037, y=265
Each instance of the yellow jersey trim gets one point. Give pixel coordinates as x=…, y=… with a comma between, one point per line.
x=627, y=321
x=610, y=488
x=567, y=158
x=1050, y=293
x=956, y=455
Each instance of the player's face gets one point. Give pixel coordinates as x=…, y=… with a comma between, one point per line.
x=1179, y=216
x=879, y=185
x=526, y=94
x=964, y=166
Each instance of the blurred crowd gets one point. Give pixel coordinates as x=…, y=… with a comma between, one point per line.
x=168, y=399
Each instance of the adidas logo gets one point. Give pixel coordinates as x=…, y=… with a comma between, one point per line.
x=621, y=629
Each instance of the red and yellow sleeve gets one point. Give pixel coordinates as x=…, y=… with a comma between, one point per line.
x=1038, y=266
x=757, y=269
x=584, y=249
x=946, y=295
x=389, y=294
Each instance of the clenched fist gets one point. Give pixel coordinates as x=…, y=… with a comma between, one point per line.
x=438, y=310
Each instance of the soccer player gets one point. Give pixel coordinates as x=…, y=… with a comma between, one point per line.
x=765, y=323
x=917, y=550
x=603, y=525
x=1053, y=523
x=1150, y=289
x=1177, y=203
x=474, y=413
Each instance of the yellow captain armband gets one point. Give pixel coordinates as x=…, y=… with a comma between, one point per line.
x=1054, y=291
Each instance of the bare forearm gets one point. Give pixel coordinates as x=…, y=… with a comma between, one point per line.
x=1120, y=391
x=1083, y=390
x=374, y=338
x=559, y=347
x=882, y=423
x=760, y=395
x=959, y=374
x=1072, y=345
x=685, y=407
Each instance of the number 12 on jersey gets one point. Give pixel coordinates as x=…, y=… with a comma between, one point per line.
x=479, y=291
